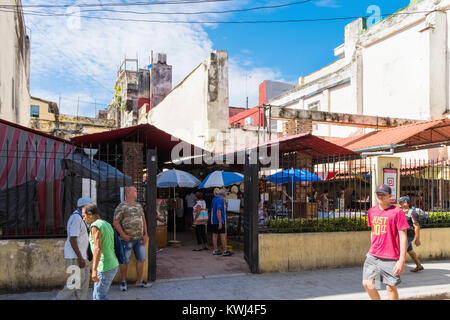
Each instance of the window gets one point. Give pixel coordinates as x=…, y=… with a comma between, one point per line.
x=34, y=111
x=249, y=121
x=274, y=125
x=315, y=106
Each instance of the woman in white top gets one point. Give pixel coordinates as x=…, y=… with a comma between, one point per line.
x=200, y=220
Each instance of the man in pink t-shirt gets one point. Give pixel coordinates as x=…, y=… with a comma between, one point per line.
x=386, y=257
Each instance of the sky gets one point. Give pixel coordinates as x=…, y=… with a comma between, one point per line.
x=77, y=58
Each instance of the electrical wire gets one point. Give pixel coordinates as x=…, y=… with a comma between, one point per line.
x=235, y=22
x=111, y=4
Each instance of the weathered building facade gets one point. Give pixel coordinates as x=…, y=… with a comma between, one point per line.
x=138, y=88
x=45, y=117
x=15, y=66
x=399, y=67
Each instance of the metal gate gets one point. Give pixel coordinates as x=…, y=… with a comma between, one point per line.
x=251, y=197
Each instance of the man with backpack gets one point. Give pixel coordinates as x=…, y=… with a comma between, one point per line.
x=77, y=254
x=413, y=217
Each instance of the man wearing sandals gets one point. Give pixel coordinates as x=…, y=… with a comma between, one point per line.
x=413, y=232
x=129, y=222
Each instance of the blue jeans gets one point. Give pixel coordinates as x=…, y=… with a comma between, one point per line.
x=137, y=247
x=101, y=288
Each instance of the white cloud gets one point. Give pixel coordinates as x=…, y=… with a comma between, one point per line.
x=83, y=62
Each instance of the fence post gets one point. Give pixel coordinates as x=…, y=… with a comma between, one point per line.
x=150, y=194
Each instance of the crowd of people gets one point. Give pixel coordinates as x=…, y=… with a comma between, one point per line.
x=100, y=250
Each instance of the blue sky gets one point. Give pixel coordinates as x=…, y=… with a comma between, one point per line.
x=76, y=57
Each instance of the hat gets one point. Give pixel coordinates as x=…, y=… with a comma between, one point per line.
x=84, y=201
x=383, y=188
x=404, y=199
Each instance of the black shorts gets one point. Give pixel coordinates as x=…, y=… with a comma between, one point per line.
x=215, y=229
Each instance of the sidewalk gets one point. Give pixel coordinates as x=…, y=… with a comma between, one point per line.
x=336, y=284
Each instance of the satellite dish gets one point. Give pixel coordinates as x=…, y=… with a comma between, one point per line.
x=90, y=152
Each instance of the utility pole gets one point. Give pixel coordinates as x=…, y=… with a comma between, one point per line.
x=78, y=107
x=95, y=112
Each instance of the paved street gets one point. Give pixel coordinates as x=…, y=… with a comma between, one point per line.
x=336, y=284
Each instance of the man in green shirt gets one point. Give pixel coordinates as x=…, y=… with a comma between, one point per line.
x=104, y=262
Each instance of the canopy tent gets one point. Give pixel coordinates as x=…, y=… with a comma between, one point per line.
x=30, y=161
x=106, y=189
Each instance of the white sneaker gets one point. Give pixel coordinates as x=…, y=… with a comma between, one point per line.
x=123, y=286
x=144, y=284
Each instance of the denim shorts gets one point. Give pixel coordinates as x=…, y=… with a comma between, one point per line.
x=410, y=247
x=137, y=247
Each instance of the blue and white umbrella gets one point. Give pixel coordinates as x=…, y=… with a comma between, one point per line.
x=176, y=178
x=172, y=179
x=291, y=176
x=221, y=179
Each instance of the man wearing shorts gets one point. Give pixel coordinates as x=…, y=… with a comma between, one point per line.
x=218, y=223
x=385, y=260
x=413, y=232
x=129, y=222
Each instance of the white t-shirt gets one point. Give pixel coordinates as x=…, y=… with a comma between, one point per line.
x=76, y=227
x=190, y=199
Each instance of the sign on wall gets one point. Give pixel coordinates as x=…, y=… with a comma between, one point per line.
x=390, y=177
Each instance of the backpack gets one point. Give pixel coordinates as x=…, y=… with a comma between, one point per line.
x=424, y=218
x=118, y=248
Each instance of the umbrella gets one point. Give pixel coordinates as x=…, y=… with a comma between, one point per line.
x=292, y=175
x=172, y=179
x=221, y=179
x=176, y=178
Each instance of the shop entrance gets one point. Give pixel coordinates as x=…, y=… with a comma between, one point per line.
x=172, y=220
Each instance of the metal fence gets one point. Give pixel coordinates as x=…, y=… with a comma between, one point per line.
x=41, y=182
x=40, y=185
x=335, y=194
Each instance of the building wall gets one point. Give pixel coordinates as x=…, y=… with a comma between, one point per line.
x=39, y=264
x=15, y=67
x=392, y=79
x=196, y=110
x=65, y=126
x=399, y=67
x=307, y=251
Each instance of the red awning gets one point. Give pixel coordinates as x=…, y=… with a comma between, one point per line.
x=306, y=143
x=151, y=136
x=417, y=134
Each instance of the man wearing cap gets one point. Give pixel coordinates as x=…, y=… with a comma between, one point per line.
x=385, y=260
x=413, y=232
x=76, y=255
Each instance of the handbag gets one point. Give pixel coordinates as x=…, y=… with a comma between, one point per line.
x=203, y=216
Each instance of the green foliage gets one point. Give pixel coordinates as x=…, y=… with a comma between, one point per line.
x=317, y=225
x=439, y=219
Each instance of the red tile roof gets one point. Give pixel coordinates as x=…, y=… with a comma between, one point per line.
x=306, y=143
x=434, y=131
